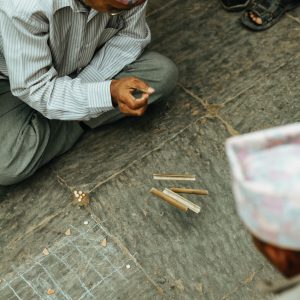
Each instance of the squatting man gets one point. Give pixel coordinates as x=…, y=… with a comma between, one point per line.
x=66, y=65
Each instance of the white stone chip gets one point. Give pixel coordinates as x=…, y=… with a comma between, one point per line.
x=46, y=252
x=86, y=222
x=68, y=232
x=103, y=243
x=128, y=266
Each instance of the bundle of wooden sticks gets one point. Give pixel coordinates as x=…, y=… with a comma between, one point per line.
x=172, y=195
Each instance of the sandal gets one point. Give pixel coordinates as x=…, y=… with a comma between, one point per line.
x=234, y=5
x=269, y=11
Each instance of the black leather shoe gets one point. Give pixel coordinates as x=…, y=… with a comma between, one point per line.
x=234, y=5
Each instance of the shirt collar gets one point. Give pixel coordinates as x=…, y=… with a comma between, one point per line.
x=76, y=5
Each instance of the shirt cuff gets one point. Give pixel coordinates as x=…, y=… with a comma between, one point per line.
x=99, y=97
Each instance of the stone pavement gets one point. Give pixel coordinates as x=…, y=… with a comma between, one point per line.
x=231, y=81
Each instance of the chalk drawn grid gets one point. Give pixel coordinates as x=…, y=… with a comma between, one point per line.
x=76, y=268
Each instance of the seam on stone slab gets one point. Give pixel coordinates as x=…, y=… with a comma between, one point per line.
x=33, y=228
x=248, y=280
x=63, y=182
x=256, y=81
x=229, y=127
x=231, y=99
x=293, y=18
x=192, y=94
x=212, y=110
x=161, y=8
x=205, y=102
x=125, y=250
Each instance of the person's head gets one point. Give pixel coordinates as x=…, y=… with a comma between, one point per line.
x=266, y=184
x=113, y=6
x=286, y=261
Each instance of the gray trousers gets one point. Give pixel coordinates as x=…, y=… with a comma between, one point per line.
x=29, y=140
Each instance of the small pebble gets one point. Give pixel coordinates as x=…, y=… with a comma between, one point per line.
x=68, y=232
x=80, y=193
x=86, y=222
x=75, y=193
x=79, y=200
x=46, y=252
x=103, y=243
x=50, y=292
x=128, y=266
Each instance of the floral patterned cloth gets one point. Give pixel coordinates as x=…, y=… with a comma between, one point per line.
x=265, y=169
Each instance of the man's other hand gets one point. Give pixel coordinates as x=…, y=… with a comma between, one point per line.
x=122, y=93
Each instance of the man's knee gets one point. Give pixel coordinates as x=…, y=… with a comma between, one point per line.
x=10, y=176
x=169, y=76
x=166, y=76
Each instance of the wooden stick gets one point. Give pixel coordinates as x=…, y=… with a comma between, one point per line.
x=185, y=177
x=168, y=199
x=190, y=205
x=190, y=191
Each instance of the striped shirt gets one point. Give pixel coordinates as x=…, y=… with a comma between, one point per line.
x=43, y=43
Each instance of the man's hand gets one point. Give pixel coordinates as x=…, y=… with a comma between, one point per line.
x=122, y=95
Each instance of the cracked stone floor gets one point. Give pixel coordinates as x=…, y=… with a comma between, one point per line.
x=231, y=81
